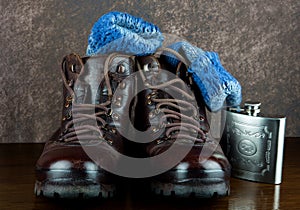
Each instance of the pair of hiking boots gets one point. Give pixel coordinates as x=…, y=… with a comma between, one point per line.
x=131, y=116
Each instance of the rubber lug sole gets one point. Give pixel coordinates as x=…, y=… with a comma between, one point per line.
x=197, y=188
x=73, y=184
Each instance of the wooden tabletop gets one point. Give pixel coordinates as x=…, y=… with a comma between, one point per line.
x=17, y=182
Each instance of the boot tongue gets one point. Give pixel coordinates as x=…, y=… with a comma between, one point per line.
x=86, y=88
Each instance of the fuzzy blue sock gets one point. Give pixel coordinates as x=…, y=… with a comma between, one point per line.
x=121, y=32
x=215, y=83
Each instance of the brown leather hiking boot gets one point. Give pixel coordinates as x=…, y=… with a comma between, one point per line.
x=177, y=118
x=65, y=169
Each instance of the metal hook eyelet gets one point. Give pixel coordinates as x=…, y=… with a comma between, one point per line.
x=113, y=130
x=155, y=129
x=67, y=117
x=122, y=85
x=109, y=141
x=151, y=115
x=117, y=103
x=121, y=69
x=201, y=118
x=73, y=67
x=115, y=116
x=159, y=141
x=70, y=82
x=69, y=100
x=109, y=112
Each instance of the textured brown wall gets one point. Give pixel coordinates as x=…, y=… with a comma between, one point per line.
x=258, y=42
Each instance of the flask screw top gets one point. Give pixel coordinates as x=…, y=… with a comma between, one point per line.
x=252, y=108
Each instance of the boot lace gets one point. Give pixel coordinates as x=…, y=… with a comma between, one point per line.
x=88, y=121
x=179, y=125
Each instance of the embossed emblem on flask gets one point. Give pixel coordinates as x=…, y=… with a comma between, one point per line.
x=247, y=147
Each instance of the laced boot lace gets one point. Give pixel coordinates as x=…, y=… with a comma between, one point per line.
x=181, y=123
x=88, y=121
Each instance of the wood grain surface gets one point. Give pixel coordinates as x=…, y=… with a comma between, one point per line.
x=17, y=182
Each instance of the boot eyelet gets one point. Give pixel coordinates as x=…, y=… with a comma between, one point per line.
x=69, y=115
x=67, y=104
x=121, y=69
x=149, y=102
x=113, y=130
x=201, y=118
x=146, y=67
x=70, y=82
x=69, y=100
x=117, y=103
x=109, y=112
x=109, y=141
x=151, y=115
x=73, y=67
x=159, y=141
x=155, y=129
x=115, y=116
x=122, y=85
x=153, y=94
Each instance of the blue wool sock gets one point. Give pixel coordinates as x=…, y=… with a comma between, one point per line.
x=215, y=83
x=121, y=32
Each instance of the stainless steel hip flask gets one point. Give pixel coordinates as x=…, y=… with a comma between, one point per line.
x=254, y=144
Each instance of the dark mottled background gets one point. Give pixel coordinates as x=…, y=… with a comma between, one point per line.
x=258, y=42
